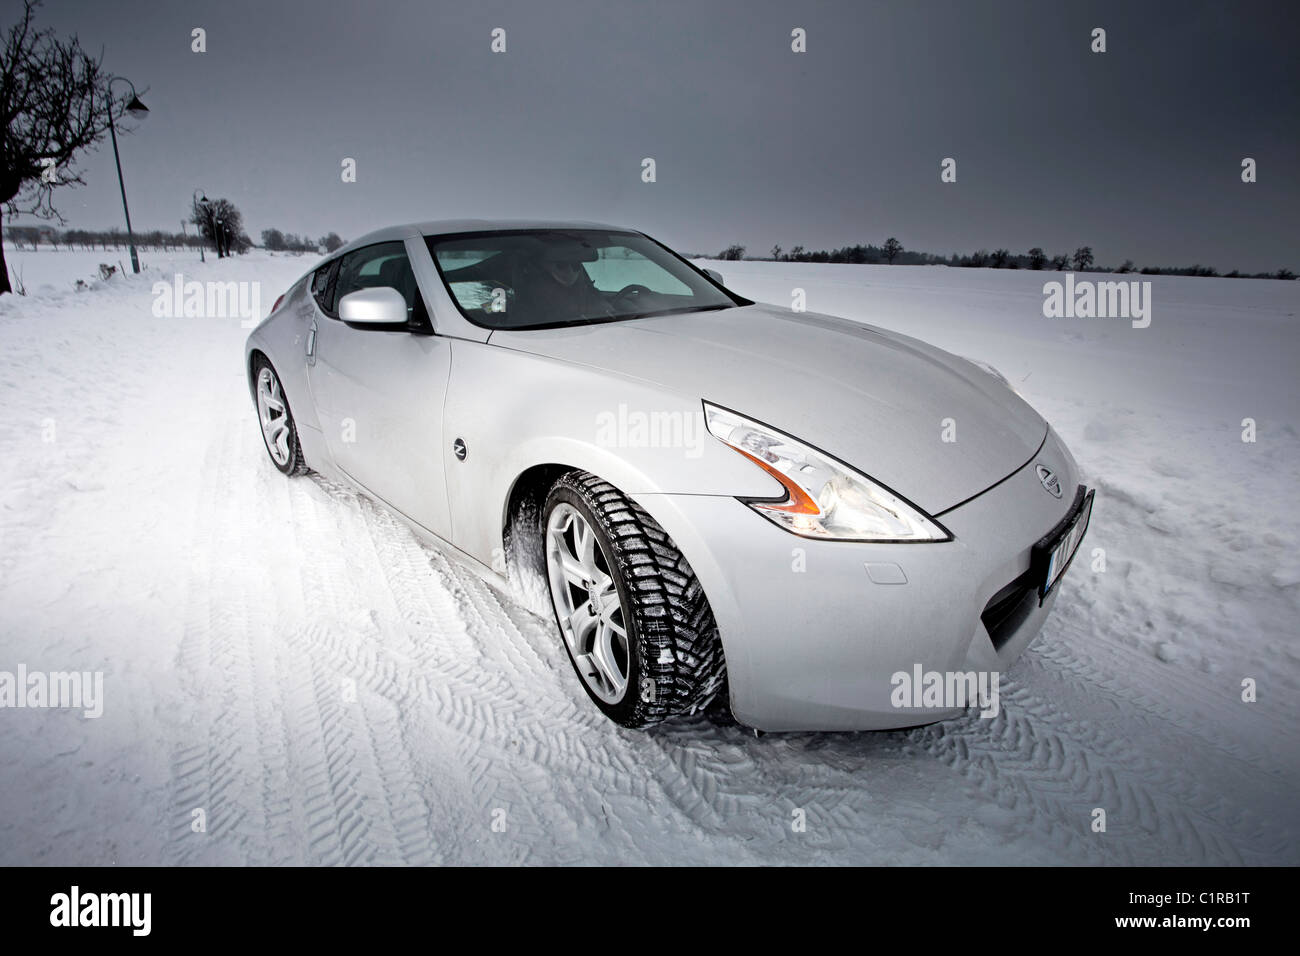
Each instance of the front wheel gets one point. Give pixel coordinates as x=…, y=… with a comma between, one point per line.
x=634, y=619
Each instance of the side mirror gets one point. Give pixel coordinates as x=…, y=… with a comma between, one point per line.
x=382, y=305
x=715, y=276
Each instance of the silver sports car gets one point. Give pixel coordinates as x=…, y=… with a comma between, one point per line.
x=729, y=503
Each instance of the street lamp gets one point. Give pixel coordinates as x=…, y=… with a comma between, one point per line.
x=200, y=198
x=137, y=110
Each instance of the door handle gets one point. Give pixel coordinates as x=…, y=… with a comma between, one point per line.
x=311, y=344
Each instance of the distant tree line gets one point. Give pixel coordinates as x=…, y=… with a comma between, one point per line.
x=276, y=241
x=893, y=253
x=33, y=237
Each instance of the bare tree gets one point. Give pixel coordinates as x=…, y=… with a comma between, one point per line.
x=892, y=249
x=55, y=101
x=1083, y=258
x=221, y=224
x=1037, y=258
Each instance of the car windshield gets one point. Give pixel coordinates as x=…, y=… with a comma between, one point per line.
x=543, y=278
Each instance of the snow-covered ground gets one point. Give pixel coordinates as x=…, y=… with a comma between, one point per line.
x=288, y=659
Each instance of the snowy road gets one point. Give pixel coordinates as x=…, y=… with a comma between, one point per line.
x=286, y=658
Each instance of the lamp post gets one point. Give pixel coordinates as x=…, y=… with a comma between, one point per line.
x=136, y=109
x=200, y=198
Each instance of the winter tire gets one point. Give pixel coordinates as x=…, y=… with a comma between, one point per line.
x=633, y=617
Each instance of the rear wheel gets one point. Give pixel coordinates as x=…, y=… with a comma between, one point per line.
x=633, y=617
x=278, y=429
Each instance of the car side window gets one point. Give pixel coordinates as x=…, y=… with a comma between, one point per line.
x=383, y=264
x=322, y=286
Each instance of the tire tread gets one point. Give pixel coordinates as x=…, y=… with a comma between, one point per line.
x=674, y=622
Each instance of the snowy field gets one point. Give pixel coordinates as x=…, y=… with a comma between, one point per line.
x=145, y=534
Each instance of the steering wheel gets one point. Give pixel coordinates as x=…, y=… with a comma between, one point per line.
x=633, y=291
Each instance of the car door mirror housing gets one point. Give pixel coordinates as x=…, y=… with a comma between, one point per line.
x=382, y=305
x=715, y=276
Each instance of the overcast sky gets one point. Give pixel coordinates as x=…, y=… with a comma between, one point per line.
x=1136, y=151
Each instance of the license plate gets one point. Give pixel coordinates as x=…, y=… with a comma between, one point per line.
x=1053, y=554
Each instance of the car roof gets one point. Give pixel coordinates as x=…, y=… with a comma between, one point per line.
x=444, y=227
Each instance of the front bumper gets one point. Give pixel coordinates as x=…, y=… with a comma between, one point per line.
x=814, y=630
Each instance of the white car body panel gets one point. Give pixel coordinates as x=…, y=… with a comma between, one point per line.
x=815, y=650
x=493, y=406
x=874, y=399
x=804, y=651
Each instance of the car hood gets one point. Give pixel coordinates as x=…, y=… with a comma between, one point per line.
x=874, y=399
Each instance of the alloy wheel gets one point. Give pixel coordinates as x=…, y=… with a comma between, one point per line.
x=587, y=603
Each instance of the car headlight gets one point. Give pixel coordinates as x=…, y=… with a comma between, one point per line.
x=825, y=498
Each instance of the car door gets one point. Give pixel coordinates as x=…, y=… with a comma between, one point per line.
x=379, y=390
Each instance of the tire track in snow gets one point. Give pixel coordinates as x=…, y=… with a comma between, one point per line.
x=323, y=787
x=468, y=695
x=222, y=667
x=415, y=665
x=366, y=797
x=521, y=726
x=1037, y=758
x=466, y=704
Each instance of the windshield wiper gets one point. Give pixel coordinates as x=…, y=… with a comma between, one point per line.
x=606, y=319
x=681, y=311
